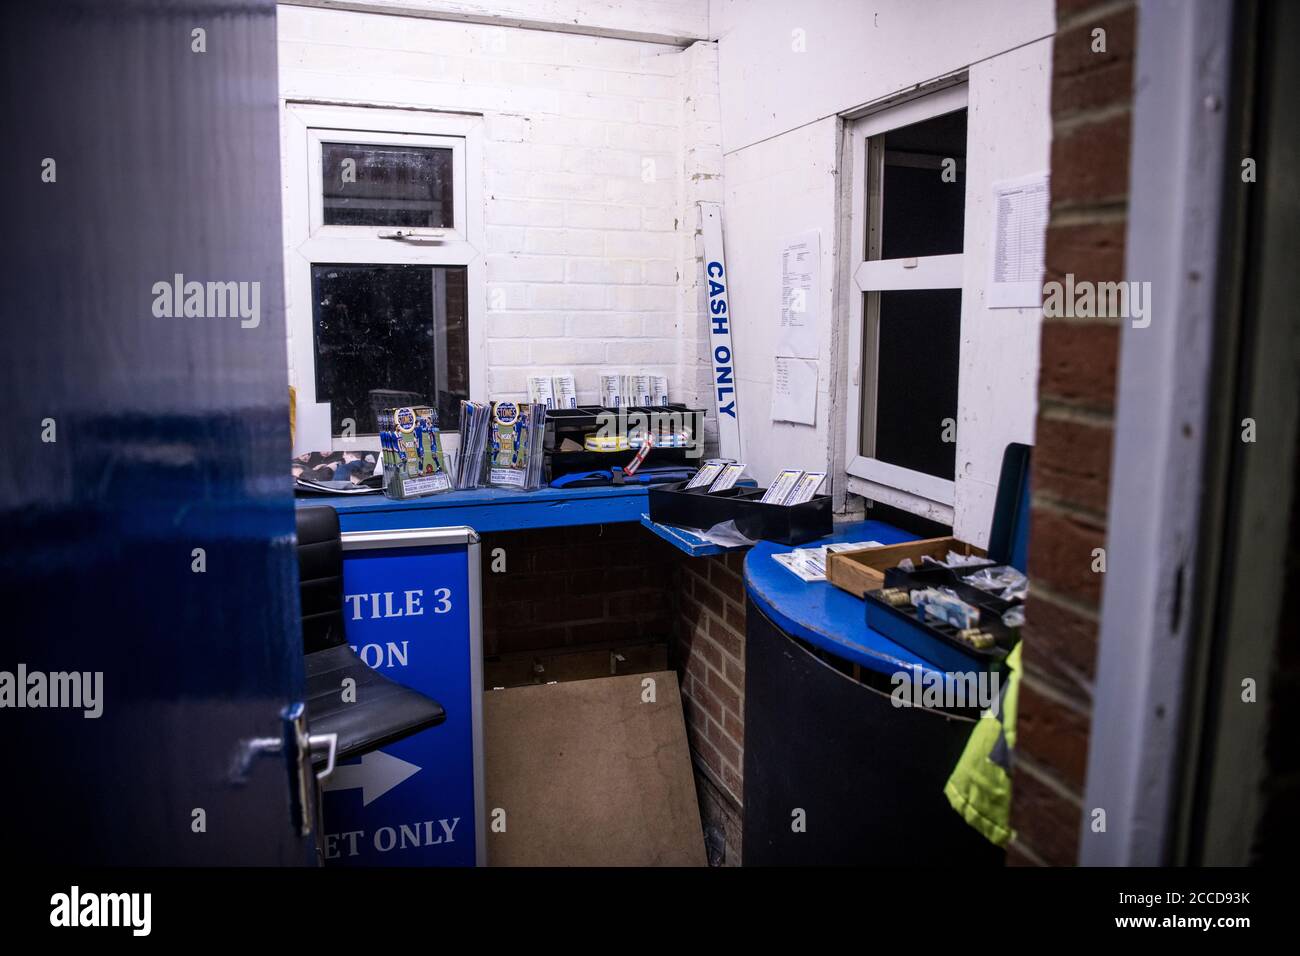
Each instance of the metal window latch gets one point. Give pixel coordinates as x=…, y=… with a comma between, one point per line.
x=407, y=235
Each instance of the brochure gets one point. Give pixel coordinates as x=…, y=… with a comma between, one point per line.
x=412, y=451
x=515, y=445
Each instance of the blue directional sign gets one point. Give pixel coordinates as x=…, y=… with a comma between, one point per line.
x=411, y=610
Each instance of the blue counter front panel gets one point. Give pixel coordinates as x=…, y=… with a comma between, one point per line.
x=410, y=613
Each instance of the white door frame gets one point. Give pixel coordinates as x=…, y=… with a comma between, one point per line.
x=1163, y=398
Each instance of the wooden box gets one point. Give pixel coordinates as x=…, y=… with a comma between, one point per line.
x=864, y=570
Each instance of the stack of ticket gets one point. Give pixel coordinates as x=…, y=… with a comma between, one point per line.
x=717, y=474
x=553, y=391
x=793, y=487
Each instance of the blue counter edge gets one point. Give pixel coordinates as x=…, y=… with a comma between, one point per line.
x=685, y=540
x=500, y=509
x=488, y=509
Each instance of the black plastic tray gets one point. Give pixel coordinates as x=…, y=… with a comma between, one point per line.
x=934, y=641
x=577, y=423
x=696, y=508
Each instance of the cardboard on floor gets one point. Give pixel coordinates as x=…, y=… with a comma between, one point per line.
x=590, y=773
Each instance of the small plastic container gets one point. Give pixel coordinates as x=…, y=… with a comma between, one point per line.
x=785, y=524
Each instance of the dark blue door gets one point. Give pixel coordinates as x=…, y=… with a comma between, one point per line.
x=146, y=522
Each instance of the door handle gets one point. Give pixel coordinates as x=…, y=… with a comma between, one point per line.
x=297, y=751
x=328, y=743
x=297, y=745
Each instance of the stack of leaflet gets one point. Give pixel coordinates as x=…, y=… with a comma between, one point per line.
x=515, y=445
x=412, y=452
x=553, y=391
x=471, y=463
x=809, y=564
x=618, y=390
x=793, y=486
x=717, y=474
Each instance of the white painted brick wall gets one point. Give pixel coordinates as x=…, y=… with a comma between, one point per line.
x=596, y=151
x=700, y=139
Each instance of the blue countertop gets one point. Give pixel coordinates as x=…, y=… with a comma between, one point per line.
x=819, y=612
x=488, y=509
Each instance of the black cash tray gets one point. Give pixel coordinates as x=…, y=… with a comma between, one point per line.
x=1008, y=544
x=695, y=508
x=936, y=641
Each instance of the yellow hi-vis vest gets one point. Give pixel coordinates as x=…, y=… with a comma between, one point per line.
x=980, y=785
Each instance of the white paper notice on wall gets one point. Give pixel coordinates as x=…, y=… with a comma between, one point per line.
x=1019, y=235
x=794, y=390
x=800, y=296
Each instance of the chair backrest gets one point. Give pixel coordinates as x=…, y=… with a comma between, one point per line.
x=320, y=575
x=1009, y=536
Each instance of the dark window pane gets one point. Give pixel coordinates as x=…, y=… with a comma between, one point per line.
x=916, y=379
x=924, y=215
x=389, y=329
x=394, y=185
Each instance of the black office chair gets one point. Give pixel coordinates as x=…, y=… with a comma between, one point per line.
x=384, y=711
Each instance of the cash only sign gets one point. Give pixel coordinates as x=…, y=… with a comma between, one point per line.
x=721, y=354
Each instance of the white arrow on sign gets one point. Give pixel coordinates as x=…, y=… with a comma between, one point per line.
x=377, y=773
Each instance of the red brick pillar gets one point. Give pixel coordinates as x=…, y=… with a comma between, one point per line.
x=710, y=658
x=1092, y=98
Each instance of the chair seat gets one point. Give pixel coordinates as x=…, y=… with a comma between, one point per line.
x=383, y=711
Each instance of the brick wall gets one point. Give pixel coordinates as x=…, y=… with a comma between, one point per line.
x=1091, y=107
x=774, y=189
x=568, y=587
x=710, y=659
x=701, y=181
x=571, y=587
x=595, y=153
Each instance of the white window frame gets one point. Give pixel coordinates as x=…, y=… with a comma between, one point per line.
x=307, y=240
x=869, y=476
x=316, y=138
